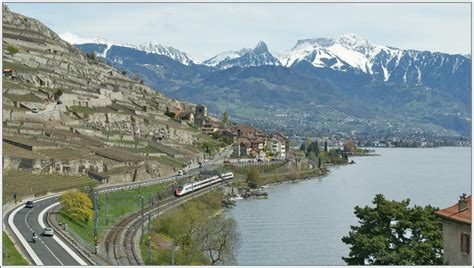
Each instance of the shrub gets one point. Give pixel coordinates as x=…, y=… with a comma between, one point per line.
x=77, y=205
x=92, y=55
x=253, y=178
x=12, y=49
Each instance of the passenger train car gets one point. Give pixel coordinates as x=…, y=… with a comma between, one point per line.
x=190, y=187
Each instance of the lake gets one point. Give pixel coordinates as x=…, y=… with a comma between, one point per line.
x=302, y=223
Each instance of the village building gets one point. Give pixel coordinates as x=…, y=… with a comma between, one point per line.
x=186, y=116
x=230, y=134
x=257, y=144
x=242, y=147
x=245, y=131
x=210, y=127
x=200, y=115
x=456, y=221
x=277, y=147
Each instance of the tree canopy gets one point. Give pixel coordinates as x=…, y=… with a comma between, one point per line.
x=202, y=236
x=225, y=120
x=253, y=178
x=77, y=205
x=392, y=233
x=349, y=146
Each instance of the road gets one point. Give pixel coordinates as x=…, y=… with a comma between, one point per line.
x=47, y=250
x=52, y=250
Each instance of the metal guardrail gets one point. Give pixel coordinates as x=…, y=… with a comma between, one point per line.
x=70, y=237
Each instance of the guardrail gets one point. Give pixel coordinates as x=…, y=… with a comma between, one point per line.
x=71, y=238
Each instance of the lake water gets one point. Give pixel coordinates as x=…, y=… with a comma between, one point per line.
x=302, y=223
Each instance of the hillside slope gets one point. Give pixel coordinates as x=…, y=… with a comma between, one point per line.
x=67, y=113
x=321, y=85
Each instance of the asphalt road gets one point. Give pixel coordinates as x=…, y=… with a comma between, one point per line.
x=51, y=251
x=47, y=249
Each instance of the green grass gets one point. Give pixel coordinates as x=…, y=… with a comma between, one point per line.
x=17, y=67
x=121, y=141
x=171, y=161
x=26, y=98
x=10, y=255
x=25, y=183
x=11, y=49
x=84, y=230
x=288, y=176
x=81, y=109
x=120, y=203
x=147, y=149
x=9, y=84
x=118, y=170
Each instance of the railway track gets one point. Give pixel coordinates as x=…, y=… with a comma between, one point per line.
x=122, y=240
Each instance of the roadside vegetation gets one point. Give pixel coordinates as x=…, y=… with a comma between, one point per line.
x=120, y=203
x=196, y=233
x=10, y=255
x=258, y=175
x=77, y=205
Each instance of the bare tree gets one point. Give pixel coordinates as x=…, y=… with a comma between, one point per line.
x=218, y=238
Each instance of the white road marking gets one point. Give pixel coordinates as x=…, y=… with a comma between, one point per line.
x=31, y=229
x=23, y=241
x=59, y=241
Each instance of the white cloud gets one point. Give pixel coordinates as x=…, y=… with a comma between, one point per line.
x=204, y=30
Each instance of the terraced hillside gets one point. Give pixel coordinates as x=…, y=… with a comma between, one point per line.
x=69, y=114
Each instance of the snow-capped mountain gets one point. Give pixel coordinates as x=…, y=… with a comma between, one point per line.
x=351, y=52
x=155, y=48
x=342, y=53
x=353, y=76
x=150, y=47
x=225, y=56
x=243, y=58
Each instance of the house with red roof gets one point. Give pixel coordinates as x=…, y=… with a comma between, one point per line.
x=456, y=221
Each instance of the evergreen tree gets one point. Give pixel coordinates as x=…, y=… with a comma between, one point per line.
x=392, y=233
x=225, y=120
x=303, y=147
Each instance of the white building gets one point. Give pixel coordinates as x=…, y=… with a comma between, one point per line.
x=277, y=147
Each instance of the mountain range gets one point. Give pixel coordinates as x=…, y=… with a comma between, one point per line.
x=346, y=83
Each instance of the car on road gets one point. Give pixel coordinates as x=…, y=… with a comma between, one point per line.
x=226, y=161
x=29, y=204
x=48, y=231
x=182, y=172
x=34, y=110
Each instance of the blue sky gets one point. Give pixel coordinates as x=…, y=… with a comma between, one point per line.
x=203, y=30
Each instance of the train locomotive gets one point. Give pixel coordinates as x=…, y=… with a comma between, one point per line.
x=190, y=187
